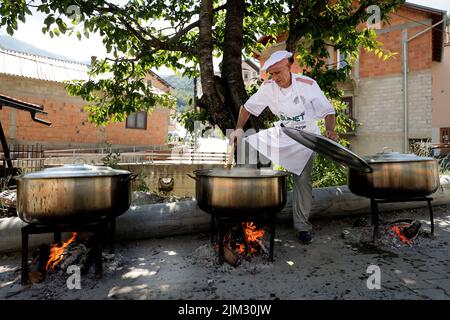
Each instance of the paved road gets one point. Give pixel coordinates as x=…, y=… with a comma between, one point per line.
x=332, y=267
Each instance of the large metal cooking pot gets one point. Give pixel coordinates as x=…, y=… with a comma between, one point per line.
x=240, y=191
x=386, y=175
x=395, y=175
x=77, y=193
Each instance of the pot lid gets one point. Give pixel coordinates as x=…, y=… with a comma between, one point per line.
x=240, y=173
x=327, y=147
x=74, y=171
x=395, y=157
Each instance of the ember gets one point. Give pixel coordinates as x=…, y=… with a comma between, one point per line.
x=399, y=233
x=407, y=232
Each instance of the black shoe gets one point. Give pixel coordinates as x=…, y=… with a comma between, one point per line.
x=305, y=237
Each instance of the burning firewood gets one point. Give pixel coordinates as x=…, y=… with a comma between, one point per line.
x=406, y=231
x=60, y=256
x=58, y=253
x=252, y=240
x=412, y=230
x=40, y=258
x=231, y=257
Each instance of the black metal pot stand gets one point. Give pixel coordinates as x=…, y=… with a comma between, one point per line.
x=375, y=213
x=100, y=234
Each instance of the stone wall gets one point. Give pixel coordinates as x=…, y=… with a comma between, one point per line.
x=183, y=184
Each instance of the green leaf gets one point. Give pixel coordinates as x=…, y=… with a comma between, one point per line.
x=9, y=30
x=49, y=20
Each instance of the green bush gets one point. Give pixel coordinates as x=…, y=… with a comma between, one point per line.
x=112, y=159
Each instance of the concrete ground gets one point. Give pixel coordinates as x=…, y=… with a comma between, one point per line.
x=341, y=263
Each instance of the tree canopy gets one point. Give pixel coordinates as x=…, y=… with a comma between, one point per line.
x=192, y=33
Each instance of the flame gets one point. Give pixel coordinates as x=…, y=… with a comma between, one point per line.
x=252, y=236
x=398, y=232
x=56, y=253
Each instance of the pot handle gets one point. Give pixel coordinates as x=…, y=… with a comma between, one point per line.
x=192, y=177
x=131, y=177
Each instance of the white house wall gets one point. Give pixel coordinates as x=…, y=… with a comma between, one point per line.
x=378, y=108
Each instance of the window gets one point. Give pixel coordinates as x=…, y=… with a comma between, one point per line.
x=349, y=110
x=445, y=135
x=149, y=83
x=246, y=75
x=341, y=62
x=137, y=120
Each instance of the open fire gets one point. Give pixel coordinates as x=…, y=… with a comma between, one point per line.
x=252, y=239
x=57, y=253
x=57, y=258
x=245, y=241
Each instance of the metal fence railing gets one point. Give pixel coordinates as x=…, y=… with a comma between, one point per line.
x=27, y=158
x=98, y=157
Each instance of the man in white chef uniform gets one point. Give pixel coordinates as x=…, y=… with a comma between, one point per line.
x=298, y=102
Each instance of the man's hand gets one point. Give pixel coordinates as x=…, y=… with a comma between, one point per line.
x=330, y=121
x=331, y=134
x=236, y=136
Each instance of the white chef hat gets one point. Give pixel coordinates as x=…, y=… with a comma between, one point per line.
x=276, y=57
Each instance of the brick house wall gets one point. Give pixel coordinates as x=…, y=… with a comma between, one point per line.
x=378, y=93
x=70, y=127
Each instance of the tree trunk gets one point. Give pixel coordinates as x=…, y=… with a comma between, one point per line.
x=223, y=96
x=210, y=101
x=295, y=29
x=234, y=90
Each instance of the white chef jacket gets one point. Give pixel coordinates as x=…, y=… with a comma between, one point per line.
x=299, y=106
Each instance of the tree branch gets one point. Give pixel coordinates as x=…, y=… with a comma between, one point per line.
x=194, y=25
x=153, y=42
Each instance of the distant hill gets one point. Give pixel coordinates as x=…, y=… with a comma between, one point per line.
x=10, y=43
x=184, y=90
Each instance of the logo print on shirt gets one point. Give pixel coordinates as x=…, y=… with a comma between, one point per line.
x=299, y=117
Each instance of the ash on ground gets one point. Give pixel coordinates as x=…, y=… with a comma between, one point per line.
x=207, y=256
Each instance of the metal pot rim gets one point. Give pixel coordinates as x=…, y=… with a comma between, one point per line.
x=74, y=171
x=240, y=173
x=393, y=157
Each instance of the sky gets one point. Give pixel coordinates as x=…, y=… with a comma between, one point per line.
x=71, y=47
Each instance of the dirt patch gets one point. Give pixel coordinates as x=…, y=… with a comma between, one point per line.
x=334, y=266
